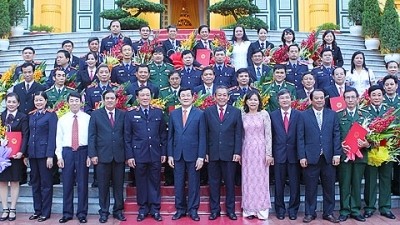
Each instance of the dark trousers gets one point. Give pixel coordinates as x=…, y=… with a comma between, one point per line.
x=372, y=173
x=105, y=173
x=168, y=174
x=75, y=169
x=216, y=171
x=193, y=187
x=42, y=186
x=282, y=171
x=396, y=179
x=148, y=177
x=350, y=176
x=326, y=172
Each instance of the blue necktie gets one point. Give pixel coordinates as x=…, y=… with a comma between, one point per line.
x=258, y=73
x=127, y=67
x=187, y=70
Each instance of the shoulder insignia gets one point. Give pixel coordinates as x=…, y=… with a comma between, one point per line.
x=49, y=89
x=67, y=87
x=114, y=84
x=303, y=63
x=164, y=88
x=233, y=88
x=94, y=84
x=33, y=112
x=289, y=83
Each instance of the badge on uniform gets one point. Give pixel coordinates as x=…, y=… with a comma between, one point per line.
x=137, y=117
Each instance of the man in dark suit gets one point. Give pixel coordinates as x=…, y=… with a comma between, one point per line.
x=223, y=121
x=261, y=44
x=319, y=151
x=107, y=151
x=142, y=76
x=114, y=38
x=323, y=73
x=72, y=155
x=284, y=151
x=294, y=68
x=25, y=89
x=208, y=86
x=171, y=44
x=203, y=43
x=186, y=152
x=68, y=46
x=146, y=149
x=63, y=60
x=28, y=55
x=144, y=31
x=224, y=73
x=257, y=69
x=308, y=82
x=191, y=76
x=126, y=70
x=339, y=87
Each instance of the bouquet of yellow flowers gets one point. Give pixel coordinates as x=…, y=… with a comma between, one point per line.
x=61, y=107
x=6, y=81
x=39, y=73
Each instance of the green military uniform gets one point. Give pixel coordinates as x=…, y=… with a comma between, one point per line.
x=371, y=177
x=53, y=95
x=273, y=90
x=172, y=100
x=394, y=102
x=351, y=172
x=159, y=74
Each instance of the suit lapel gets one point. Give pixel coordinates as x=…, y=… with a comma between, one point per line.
x=104, y=112
x=314, y=118
x=189, y=118
x=226, y=114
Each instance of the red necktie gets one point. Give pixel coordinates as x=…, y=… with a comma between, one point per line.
x=111, y=119
x=75, y=134
x=221, y=114
x=91, y=75
x=286, y=121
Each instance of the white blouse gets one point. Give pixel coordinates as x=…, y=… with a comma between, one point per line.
x=360, y=81
x=239, y=54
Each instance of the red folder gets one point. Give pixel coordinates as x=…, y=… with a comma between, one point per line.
x=356, y=132
x=203, y=56
x=14, y=142
x=337, y=103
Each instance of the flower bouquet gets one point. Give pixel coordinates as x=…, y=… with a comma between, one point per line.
x=61, y=107
x=122, y=98
x=220, y=41
x=186, y=44
x=277, y=55
x=310, y=47
x=5, y=151
x=145, y=52
x=301, y=104
x=365, y=100
x=6, y=81
x=39, y=75
x=158, y=103
x=71, y=81
x=203, y=101
x=383, y=134
x=114, y=56
x=264, y=92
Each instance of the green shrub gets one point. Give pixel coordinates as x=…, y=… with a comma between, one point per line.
x=356, y=8
x=371, y=19
x=248, y=22
x=328, y=26
x=5, y=27
x=132, y=23
x=17, y=12
x=390, y=29
x=41, y=27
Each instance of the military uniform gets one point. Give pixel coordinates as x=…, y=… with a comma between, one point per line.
x=294, y=74
x=384, y=172
x=323, y=76
x=238, y=92
x=93, y=96
x=380, y=83
x=69, y=72
x=53, y=95
x=351, y=172
x=273, y=91
x=159, y=74
x=191, y=79
x=123, y=73
x=224, y=76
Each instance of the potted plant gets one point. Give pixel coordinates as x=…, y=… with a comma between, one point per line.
x=329, y=26
x=371, y=20
x=356, y=8
x=17, y=14
x=41, y=29
x=4, y=25
x=390, y=33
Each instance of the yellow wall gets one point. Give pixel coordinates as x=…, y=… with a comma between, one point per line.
x=217, y=21
x=55, y=13
x=313, y=13
x=152, y=18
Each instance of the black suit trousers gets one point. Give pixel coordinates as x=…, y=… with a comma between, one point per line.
x=114, y=172
x=148, y=178
x=282, y=171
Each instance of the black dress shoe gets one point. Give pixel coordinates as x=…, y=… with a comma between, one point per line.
x=232, y=216
x=368, y=214
x=34, y=217
x=292, y=217
x=359, y=218
x=343, y=218
x=120, y=217
x=82, y=219
x=280, y=217
x=103, y=219
x=157, y=217
x=178, y=215
x=64, y=219
x=140, y=217
x=331, y=219
x=42, y=218
x=195, y=217
x=308, y=218
x=214, y=216
x=388, y=215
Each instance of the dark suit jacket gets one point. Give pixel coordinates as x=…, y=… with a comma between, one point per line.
x=301, y=94
x=26, y=98
x=105, y=141
x=107, y=43
x=73, y=62
x=332, y=91
x=42, y=134
x=19, y=124
x=187, y=142
x=201, y=89
x=169, y=49
x=256, y=46
x=84, y=77
x=311, y=140
x=134, y=86
x=145, y=139
x=224, y=138
x=284, y=145
x=253, y=74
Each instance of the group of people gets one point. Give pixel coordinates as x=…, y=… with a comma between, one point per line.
x=221, y=144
